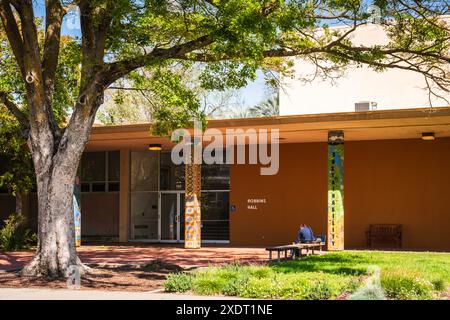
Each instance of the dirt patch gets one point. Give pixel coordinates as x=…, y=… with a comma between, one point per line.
x=146, y=277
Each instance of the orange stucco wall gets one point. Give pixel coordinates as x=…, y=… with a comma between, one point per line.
x=399, y=181
x=388, y=181
x=297, y=194
x=99, y=214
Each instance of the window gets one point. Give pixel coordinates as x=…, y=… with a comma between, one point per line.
x=214, y=176
x=215, y=215
x=144, y=171
x=171, y=175
x=100, y=171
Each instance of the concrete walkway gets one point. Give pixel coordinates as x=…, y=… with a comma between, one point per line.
x=65, y=294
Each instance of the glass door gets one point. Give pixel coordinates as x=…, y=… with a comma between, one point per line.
x=144, y=197
x=172, y=216
x=144, y=216
x=181, y=219
x=169, y=216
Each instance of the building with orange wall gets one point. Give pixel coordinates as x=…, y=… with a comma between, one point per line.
x=392, y=176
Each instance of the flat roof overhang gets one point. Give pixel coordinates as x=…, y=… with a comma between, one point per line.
x=357, y=126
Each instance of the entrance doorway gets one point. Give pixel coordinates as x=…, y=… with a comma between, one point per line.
x=171, y=216
x=157, y=200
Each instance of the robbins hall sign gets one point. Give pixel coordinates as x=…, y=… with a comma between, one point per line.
x=253, y=204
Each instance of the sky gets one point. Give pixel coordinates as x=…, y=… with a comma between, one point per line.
x=254, y=93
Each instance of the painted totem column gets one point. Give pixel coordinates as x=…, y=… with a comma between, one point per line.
x=77, y=211
x=192, y=233
x=335, y=234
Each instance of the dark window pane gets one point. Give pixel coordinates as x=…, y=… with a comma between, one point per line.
x=215, y=215
x=144, y=171
x=171, y=175
x=216, y=177
x=215, y=205
x=98, y=187
x=215, y=230
x=85, y=187
x=93, y=166
x=114, y=186
x=114, y=166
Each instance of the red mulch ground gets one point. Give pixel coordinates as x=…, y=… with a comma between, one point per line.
x=129, y=268
x=125, y=278
x=141, y=254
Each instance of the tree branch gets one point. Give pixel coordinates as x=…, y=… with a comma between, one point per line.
x=13, y=33
x=95, y=23
x=53, y=21
x=117, y=70
x=14, y=110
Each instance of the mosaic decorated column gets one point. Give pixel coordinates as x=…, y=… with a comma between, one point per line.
x=335, y=190
x=77, y=211
x=192, y=233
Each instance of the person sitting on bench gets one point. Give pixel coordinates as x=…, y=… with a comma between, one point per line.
x=306, y=235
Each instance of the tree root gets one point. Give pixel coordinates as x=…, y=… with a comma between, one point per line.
x=41, y=268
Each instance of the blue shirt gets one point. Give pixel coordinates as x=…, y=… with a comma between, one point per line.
x=305, y=234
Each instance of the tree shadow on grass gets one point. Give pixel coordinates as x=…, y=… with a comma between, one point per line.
x=352, y=265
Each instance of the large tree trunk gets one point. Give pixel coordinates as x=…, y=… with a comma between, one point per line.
x=55, y=177
x=56, y=151
x=56, y=239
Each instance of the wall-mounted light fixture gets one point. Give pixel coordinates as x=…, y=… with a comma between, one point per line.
x=155, y=147
x=428, y=136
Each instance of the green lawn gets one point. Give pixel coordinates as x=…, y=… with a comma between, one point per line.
x=404, y=275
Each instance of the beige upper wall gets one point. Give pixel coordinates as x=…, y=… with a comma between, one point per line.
x=391, y=89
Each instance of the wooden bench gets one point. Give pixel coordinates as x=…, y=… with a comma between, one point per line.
x=384, y=234
x=296, y=249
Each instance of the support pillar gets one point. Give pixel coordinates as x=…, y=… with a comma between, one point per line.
x=77, y=210
x=335, y=233
x=124, y=202
x=192, y=234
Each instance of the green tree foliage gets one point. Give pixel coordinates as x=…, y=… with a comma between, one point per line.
x=270, y=107
x=16, y=170
x=14, y=235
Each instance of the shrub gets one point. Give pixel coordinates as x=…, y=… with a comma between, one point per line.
x=439, y=284
x=14, y=236
x=321, y=290
x=235, y=286
x=405, y=286
x=259, y=272
x=263, y=288
x=209, y=285
x=294, y=286
x=178, y=282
